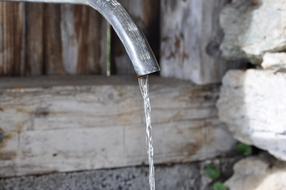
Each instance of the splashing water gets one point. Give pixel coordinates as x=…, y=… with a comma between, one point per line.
x=144, y=88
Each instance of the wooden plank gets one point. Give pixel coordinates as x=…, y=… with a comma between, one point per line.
x=88, y=123
x=77, y=41
x=51, y=39
x=12, y=41
x=83, y=33
x=146, y=14
x=190, y=40
x=53, y=49
x=34, y=39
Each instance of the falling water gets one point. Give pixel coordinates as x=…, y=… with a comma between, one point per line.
x=144, y=88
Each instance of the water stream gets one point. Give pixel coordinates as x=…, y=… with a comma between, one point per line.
x=144, y=88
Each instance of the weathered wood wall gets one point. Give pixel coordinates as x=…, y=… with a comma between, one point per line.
x=190, y=40
x=79, y=123
x=12, y=51
x=51, y=125
x=39, y=39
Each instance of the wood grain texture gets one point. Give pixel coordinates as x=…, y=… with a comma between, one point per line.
x=190, y=40
x=34, y=39
x=38, y=39
x=83, y=40
x=53, y=48
x=12, y=41
x=146, y=14
x=89, y=123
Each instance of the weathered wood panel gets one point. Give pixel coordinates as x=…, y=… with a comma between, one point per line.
x=34, y=39
x=90, y=123
x=12, y=41
x=190, y=40
x=146, y=14
x=53, y=48
x=80, y=39
x=51, y=39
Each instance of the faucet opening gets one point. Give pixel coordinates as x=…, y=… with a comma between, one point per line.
x=134, y=41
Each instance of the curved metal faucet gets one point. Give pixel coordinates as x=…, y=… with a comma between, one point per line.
x=135, y=43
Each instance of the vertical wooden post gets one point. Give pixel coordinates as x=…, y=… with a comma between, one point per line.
x=12, y=41
x=34, y=39
x=190, y=40
x=83, y=38
x=53, y=59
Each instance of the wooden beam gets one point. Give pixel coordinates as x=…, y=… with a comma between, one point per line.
x=70, y=124
x=53, y=59
x=34, y=39
x=38, y=39
x=190, y=40
x=83, y=39
x=12, y=41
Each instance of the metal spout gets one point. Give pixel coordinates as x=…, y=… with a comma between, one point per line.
x=135, y=43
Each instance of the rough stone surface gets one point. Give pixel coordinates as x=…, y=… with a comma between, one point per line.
x=253, y=106
x=252, y=28
x=258, y=173
x=274, y=60
x=184, y=177
x=176, y=177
